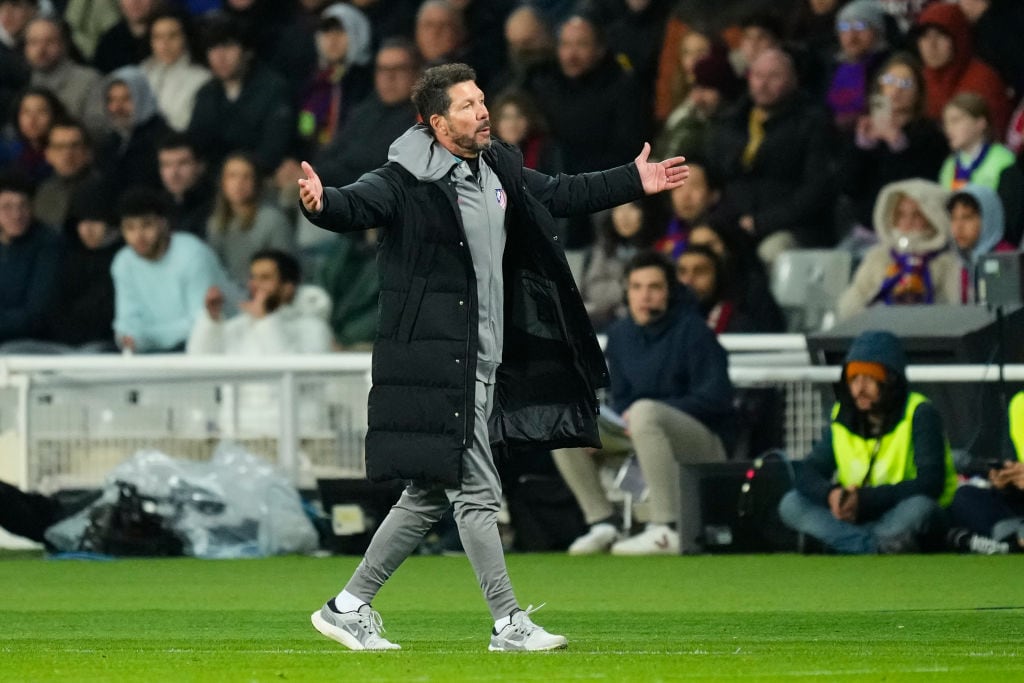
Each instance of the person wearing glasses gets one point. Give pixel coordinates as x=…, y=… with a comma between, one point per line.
x=860, y=27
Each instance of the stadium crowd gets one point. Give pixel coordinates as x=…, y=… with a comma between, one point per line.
x=150, y=152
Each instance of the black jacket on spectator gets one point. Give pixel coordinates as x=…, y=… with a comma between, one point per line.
x=14, y=77
x=997, y=37
x=789, y=185
x=132, y=161
x=119, y=47
x=261, y=121
x=191, y=214
x=83, y=308
x=29, y=269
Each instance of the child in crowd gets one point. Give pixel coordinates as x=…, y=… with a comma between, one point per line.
x=976, y=222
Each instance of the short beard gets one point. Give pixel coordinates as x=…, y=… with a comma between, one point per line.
x=469, y=143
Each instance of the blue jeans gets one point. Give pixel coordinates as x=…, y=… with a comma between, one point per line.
x=896, y=530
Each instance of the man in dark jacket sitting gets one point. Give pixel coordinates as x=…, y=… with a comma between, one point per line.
x=482, y=336
x=877, y=479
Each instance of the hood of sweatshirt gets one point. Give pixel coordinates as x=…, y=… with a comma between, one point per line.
x=992, y=221
x=421, y=155
x=930, y=197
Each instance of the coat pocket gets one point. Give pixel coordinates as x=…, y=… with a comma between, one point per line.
x=413, y=301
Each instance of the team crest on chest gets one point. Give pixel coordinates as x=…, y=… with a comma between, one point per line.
x=499, y=195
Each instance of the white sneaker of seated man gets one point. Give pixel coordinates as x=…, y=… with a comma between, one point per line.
x=598, y=540
x=656, y=539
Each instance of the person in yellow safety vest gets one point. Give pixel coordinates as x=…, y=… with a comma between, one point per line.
x=989, y=518
x=878, y=480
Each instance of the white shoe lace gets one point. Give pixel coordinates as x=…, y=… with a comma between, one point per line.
x=521, y=621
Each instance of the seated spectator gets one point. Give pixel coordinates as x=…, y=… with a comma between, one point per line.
x=128, y=153
x=242, y=223
x=977, y=159
x=912, y=263
x=440, y=33
x=69, y=152
x=160, y=277
x=623, y=232
x=173, y=77
x=862, y=48
x=672, y=403
x=894, y=142
x=77, y=87
x=877, y=480
x=30, y=254
x=517, y=121
x=14, y=72
x=126, y=42
x=997, y=27
x=691, y=203
x=531, y=46
x=989, y=519
x=341, y=80
x=944, y=42
x=244, y=107
x=759, y=31
x=272, y=320
x=813, y=25
x=702, y=271
x=34, y=113
x=976, y=224
x=184, y=179
x=772, y=152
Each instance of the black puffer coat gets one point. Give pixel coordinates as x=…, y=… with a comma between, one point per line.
x=421, y=405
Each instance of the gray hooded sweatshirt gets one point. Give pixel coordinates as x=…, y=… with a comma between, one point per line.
x=482, y=203
x=992, y=226
x=142, y=96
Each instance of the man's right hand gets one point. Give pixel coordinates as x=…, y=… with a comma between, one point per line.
x=214, y=302
x=311, y=190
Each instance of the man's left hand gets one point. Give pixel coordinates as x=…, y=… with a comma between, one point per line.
x=662, y=175
x=256, y=306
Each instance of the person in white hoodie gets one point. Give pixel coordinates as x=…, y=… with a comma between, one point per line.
x=913, y=262
x=279, y=317
x=172, y=75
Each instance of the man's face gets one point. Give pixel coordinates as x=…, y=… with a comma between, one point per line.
x=866, y=391
x=770, y=79
x=332, y=44
x=15, y=215
x=394, y=75
x=691, y=199
x=15, y=15
x=44, y=47
x=136, y=11
x=527, y=38
x=697, y=272
x=706, y=100
x=92, y=233
x=167, y=39
x=146, y=235
x=179, y=170
x=856, y=38
x=120, y=106
x=647, y=295
x=935, y=48
x=227, y=61
x=578, y=49
x=754, y=41
x=437, y=32
x=265, y=279
x=909, y=219
x=466, y=127
x=66, y=151
x=965, y=223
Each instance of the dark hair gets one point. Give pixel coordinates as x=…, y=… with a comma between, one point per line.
x=966, y=199
x=17, y=182
x=71, y=122
x=430, y=94
x=222, y=214
x=406, y=45
x=527, y=105
x=184, y=19
x=287, y=265
x=222, y=30
x=174, y=139
x=57, y=109
x=910, y=61
x=712, y=177
x=654, y=216
x=652, y=259
x=141, y=200
x=721, y=273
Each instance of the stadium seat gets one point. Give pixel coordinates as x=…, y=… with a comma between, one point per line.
x=806, y=283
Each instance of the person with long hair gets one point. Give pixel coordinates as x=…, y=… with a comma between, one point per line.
x=23, y=147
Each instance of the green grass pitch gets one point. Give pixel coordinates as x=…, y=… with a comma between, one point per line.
x=711, y=618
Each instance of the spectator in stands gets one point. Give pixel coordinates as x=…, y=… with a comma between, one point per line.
x=877, y=480
x=242, y=223
x=813, y=25
x=518, y=121
x=912, y=263
x=126, y=42
x=244, y=107
x=944, y=42
x=690, y=204
x=977, y=158
x=696, y=44
x=14, y=71
x=672, y=403
x=24, y=151
x=160, y=277
x=894, y=142
x=976, y=224
x=341, y=81
x=272, y=320
x=173, y=77
x=69, y=153
x=759, y=32
x=486, y=50
x=186, y=183
x=990, y=519
x=128, y=153
x=88, y=20
x=713, y=88
x=531, y=47
x=30, y=254
x=623, y=232
x=997, y=28
x=702, y=271
x=440, y=33
x=635, y=39
x=862, y=49
x=772, y=152
x=76, y=86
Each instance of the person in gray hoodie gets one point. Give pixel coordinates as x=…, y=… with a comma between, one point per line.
x=482, y=337
x=976, y=223
x=912, y=263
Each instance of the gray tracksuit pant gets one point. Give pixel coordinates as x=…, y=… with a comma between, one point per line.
x=476, y=503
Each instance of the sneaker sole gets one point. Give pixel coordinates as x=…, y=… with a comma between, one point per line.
x=558, y=646
x=334, y=633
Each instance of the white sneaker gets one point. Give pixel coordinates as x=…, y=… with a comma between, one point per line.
x=656, y=539
x=598, y=540
x=359, y=630
x=983, y=545
x=522, y=635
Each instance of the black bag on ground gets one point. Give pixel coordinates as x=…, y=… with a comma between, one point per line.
x=770, y=476
x=127, y=528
